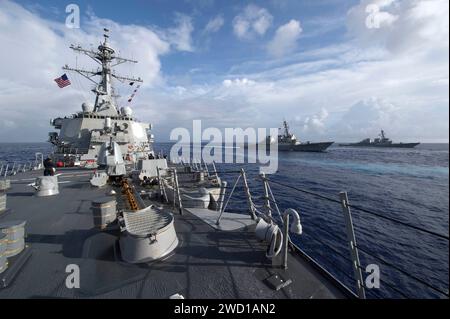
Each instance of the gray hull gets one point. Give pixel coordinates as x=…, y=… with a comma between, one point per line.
x=306, y=147
x=396, y=145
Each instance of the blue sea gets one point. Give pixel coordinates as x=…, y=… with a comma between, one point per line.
x=409, y=185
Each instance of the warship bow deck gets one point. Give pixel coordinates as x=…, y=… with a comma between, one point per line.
x=208, y=263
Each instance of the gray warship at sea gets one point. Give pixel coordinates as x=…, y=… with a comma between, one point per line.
x=287, y=142
x=117, y=220
x=381, y=141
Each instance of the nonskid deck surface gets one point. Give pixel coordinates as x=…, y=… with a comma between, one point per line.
x=208, y=263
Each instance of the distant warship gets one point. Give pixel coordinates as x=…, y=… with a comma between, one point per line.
x=381, y=141
x=288, y=142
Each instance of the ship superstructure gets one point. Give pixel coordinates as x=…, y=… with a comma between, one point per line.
x=287, y=141
x=82, y=134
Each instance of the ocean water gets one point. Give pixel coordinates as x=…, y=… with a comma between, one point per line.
x=410, y=185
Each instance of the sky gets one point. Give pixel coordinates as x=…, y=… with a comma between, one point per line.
x=338, y=70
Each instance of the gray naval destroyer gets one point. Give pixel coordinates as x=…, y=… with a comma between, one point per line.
x=287, y=142
x=118, y=221
x=82, y=134
x=381, y=141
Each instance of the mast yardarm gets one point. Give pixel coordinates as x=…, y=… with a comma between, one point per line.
x=105, y=56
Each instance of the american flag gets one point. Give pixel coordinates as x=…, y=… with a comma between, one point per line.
x=63, y=81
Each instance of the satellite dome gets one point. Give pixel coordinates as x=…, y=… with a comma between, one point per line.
x=127, y=111
x=87, y=107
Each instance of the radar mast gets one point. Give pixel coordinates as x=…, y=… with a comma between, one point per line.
x=286, y=128
x=106, y=57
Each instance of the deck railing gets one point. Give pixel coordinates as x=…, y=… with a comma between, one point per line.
x=354, y=249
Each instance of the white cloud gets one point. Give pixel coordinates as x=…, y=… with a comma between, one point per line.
x=141, y=43
x=251, y=22
x=363, y=84
x=410, y=96
x=367, y=117
x=180, y=90
x=214, y=24
x=285, y=39
x=405, y=25
x=315, y=123
x=181, y=35
x=238, y=82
